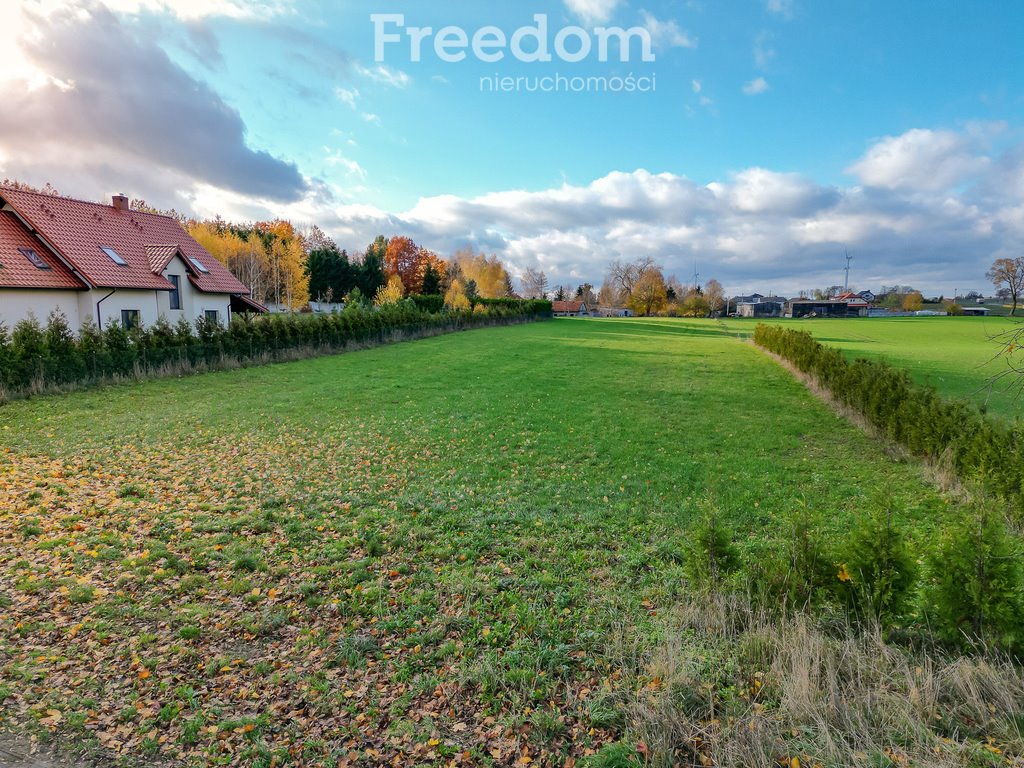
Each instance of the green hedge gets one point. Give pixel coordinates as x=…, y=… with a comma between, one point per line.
x=36, y=358
x=911, y=414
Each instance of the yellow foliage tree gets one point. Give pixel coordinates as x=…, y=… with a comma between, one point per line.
x=487, y=272
x=245, y=259
x=456, y=296
x=391, y=293
x=913, y=302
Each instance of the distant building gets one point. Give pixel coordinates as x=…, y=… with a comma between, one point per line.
x=814, y=308
x=757, y=305
x=856, y=303
x=767, y=307
x=614, y=312
x=976, y=311
x=569, y=309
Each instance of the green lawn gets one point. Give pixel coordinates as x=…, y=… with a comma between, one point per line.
x=420, y=552
x=956, y=355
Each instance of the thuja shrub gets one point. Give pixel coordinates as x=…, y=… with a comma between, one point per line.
x=975, y=582
x=908, y=413
x=711, y=556
x=879, y=572
x=34, y=358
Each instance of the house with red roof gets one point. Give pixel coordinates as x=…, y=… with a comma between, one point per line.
x=108, y=263
x=569, y=309
x=856, y=302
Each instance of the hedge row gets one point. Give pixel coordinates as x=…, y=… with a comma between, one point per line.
x=34, y=358
x=910, y=414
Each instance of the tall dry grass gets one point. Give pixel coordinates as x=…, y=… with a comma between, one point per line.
x=731, y=685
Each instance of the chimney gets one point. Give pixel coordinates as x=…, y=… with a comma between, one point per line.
x=120, y=203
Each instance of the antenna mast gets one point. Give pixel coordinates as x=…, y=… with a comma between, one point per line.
x=849, y=258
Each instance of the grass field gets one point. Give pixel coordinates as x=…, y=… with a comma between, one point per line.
x=956, y=355
x=421, y=553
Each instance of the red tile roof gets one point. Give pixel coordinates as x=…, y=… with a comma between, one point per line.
x=16, y=271
x=572, y=307
x=78, y=229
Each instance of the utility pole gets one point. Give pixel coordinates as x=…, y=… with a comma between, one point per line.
x=696, y=278
x=849, y=258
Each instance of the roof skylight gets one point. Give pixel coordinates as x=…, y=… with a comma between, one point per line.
x=114, y=256
x=33, y=257
x=199, y=265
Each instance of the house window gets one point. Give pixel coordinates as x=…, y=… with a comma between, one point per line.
x=130, y=319
x=199, y=265
x=114, y=256
x=212, y=316
x=33, y=257
x=176, y=293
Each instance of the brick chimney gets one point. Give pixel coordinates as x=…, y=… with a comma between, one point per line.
x=120, y=203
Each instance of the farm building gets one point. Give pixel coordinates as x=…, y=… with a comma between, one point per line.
x=976, y=311
x=764, y=307
x=814, y=308
x=569, y=309
x=107, y=263
x=856, y=303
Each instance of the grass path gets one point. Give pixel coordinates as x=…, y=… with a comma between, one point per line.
x=418, y=552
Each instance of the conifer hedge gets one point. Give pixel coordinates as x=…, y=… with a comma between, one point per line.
x=36, y=358
x=910, y=414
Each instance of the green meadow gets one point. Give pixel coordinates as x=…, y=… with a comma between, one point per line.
x=958, y=356
x=427, y=553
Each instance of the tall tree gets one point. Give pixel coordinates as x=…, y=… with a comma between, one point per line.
x=371, y=274
x=402, y=259
x=430, y=283
x=1009, y=274
x=648, y=295
x=487, y=272
x=535, y=283
x=714, y=293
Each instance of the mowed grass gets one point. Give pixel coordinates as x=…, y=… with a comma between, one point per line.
x=421, y=553
x=959, y=356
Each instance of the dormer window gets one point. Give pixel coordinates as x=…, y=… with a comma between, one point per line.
x=114, y=256
x=199, y=265
x=33, y=258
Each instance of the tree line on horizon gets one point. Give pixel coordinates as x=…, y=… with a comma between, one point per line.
x=288, y=267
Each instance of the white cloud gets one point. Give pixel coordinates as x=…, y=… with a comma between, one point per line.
x=334, y=157
x=384, y=75
x=763, y=52
x=756, y=86
x=347, y=96
x=667, y=33
x=781, y=7
x=593, y=11
x=371, y=118
x=920, y=159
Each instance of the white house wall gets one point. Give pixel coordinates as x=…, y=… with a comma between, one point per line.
x=194, y=303
x=17, y=305
x=103, y=306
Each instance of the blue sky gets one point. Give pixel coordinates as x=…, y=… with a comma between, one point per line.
x=780, y=132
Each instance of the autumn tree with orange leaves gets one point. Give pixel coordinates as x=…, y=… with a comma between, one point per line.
x=403, y=259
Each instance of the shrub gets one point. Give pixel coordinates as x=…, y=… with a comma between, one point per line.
x=33, y=358
x=908, y=413
x=711, y=555
x=976, y=582
x=879, y=570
